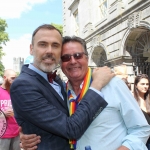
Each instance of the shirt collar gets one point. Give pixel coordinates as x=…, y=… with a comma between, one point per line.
x=43, y=74
x=71, y=89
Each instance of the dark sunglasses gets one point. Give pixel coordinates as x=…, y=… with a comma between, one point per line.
x=67, y=57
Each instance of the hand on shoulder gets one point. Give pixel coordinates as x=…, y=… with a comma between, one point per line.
x=101, y=77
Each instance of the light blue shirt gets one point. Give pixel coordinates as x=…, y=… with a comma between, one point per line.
x=56, y=86
x=120, y=123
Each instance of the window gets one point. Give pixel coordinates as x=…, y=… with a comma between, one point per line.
x=76, y=23
x=103, y=8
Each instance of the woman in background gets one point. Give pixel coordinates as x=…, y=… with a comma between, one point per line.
x=141, y=93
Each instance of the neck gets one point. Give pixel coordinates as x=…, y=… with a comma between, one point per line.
x=3, y=86
x=76, y=86
x=141, y=95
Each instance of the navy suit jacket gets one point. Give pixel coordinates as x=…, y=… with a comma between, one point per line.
x=40, y=110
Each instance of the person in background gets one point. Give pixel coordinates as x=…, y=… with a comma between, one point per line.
x=39, y=99
x=142, y=95
x=127, y=83
x=116, y=128
x=10, y=140
x=121, y=72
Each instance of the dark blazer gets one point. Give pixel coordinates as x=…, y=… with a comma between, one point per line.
x=40, y=110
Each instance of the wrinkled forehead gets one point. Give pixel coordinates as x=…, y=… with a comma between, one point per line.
x=10, y=73
x=13, y=75
x=72, y=47
x=47, y=35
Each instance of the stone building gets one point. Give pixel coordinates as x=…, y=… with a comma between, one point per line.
x=17, y=64
x=117, y=32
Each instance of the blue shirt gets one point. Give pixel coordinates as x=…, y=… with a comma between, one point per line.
x=120, y=123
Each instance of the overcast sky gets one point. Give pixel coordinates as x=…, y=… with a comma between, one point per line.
x=22, y=17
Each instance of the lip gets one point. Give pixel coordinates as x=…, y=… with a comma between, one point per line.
x=73, y=68
x=48, y=60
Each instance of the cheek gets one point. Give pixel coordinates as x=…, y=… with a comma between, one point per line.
x=63, y=66
x=9, y=81
x=36, y=54
x=140, y=88
x=57, y=55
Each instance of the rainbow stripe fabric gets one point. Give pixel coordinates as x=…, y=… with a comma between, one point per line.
x=73, y=103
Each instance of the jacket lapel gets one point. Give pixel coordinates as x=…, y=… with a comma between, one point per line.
x=47, y=85
x=52, y=90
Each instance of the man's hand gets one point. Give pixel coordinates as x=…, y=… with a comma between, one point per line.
x=123, y=148
x=29, y=142
x=101, y=76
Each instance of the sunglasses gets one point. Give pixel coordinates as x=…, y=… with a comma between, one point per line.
x=67, y=57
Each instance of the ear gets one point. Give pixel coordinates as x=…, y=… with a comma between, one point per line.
x=31, y=49
x=4, y=77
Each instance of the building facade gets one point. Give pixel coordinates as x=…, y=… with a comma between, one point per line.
x=17, y=64
x=117, y=32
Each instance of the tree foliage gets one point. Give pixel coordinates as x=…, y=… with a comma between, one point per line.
x=1, y=69
x=58, y=26
x=3, y=39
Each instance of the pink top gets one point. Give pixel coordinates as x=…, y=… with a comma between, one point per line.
x=12, y=126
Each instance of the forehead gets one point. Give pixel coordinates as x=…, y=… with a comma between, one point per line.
x=72, y=47
x=48, y=35
x=11, y=74
x=144, y=80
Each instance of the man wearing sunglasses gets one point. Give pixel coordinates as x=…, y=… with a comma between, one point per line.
x=121, y=125
x=40, y=102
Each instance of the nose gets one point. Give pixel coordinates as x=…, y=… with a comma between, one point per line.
x=49, y=49
x=72, y=60
x=146, y=86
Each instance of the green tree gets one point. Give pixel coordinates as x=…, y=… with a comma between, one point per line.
x=3, y=39
x=58, y=26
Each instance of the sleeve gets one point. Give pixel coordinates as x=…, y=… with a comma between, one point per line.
x=98, y=92
x=138, y=129
x=31, y=104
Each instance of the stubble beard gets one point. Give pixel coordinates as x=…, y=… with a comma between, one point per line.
x=7, y=85
x=46, y=67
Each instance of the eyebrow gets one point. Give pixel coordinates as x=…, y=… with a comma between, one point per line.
x=47, y=42
x=42, y=42
x=56, y=43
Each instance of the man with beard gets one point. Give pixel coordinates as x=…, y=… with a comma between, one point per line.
x=10, y=140
x=40, y=102
x=121, y=125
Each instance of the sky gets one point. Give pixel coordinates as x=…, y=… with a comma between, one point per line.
x=22, y=18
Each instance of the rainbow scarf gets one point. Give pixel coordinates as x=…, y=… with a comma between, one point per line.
x=73, y=103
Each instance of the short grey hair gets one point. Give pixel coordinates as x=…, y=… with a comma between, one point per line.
x=68, y=39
